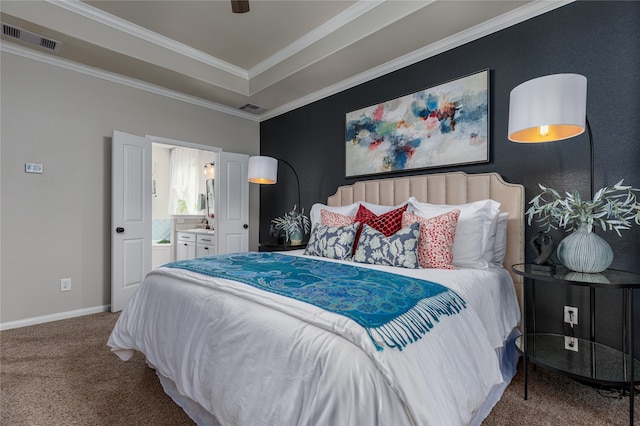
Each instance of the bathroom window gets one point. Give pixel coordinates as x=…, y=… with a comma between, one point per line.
x=185, y=176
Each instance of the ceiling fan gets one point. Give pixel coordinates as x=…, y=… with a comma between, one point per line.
x=239, y=6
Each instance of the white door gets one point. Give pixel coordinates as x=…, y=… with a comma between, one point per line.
x=232, y=203
x=130, y=216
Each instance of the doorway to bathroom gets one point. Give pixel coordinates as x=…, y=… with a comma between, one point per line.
x=179, y=195
x=132, y=200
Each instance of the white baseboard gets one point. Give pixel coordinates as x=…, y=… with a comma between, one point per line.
x=53, y=317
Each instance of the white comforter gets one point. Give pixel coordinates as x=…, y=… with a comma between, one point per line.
x=255, y=358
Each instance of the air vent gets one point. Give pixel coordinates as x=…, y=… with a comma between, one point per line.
x=252, y=108
x=31, y=38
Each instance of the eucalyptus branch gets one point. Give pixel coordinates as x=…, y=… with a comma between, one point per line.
x=614, y=208
x=291, y=222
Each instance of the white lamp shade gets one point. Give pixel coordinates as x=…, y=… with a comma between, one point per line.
x=262, y=170
x=549, y=108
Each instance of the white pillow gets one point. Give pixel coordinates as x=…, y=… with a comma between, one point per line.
x=472, y=232
x=348, y=210
x=489, y=250
x=500, y=245
x=379, y=209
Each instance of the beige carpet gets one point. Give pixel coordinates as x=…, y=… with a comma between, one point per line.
x=62, y=373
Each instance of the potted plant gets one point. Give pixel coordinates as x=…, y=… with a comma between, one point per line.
x=294, y=225
x=614, y=208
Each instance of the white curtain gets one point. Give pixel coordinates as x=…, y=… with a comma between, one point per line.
x=184, y=176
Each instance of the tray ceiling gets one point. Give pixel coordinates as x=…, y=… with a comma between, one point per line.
x=278, y=56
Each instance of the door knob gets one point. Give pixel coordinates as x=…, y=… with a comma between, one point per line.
x=245, y=226
x=119, y=230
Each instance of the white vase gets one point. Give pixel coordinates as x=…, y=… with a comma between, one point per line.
x=584, y=251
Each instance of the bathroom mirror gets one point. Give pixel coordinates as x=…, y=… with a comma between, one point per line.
x=210, y=199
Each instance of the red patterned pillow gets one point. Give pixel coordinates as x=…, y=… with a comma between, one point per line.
x=435, y=244
x=335, y=219
x=388, y=223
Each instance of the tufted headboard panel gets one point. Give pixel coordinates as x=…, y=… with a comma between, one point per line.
x=449, y=188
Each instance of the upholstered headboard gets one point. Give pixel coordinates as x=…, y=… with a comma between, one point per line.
x=449, y=188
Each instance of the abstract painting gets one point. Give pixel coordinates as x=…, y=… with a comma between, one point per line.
x=441, y=126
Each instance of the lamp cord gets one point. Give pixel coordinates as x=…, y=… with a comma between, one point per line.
x=297, y=180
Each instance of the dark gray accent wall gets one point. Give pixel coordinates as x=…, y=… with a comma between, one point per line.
x=598, y=39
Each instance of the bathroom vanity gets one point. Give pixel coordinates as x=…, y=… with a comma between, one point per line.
x=192, y=243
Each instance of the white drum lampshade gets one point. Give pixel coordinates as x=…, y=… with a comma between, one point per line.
x=262, y=170
x=549, y=108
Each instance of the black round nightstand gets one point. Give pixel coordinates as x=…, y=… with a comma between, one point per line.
x=280, y=247
x=586, y=360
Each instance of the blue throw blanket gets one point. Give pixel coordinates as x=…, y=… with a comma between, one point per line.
x=397, y=309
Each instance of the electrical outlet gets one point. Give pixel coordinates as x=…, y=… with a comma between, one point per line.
x=65, y=284
x=571, y=343
x=571, y=315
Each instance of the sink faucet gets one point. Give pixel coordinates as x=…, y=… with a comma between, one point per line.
x=205, y=221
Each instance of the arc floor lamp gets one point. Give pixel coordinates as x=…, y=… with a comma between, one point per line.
x=264, y=170
x=552, y=108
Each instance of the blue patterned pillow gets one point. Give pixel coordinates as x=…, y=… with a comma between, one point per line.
x=399, y=249
x=334, y=242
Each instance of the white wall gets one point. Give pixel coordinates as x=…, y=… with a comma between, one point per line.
x=58, y=224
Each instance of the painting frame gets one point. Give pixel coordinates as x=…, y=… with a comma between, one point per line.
x=441, y=126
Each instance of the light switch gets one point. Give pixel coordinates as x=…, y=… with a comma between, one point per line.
x=33, y=168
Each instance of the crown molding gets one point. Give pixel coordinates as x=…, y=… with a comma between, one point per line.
x=127, y=27
x=491, y=26
x=344, y=18
x=509, y=19
x=15, y=49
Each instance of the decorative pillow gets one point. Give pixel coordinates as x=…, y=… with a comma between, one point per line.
x=472, y=232
x=380, y=208
x=314, y=213
x=388, y=223
x=333, y=242
x=435, y=246
x=335, y=219
x=399, y=249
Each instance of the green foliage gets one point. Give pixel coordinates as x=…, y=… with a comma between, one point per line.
x=182, y=206
x=611, y=208
x=291, y=222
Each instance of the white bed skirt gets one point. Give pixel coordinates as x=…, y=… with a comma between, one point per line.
x=507, y=354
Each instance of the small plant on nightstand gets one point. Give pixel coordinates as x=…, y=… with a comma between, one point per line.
x=294, y=225
x=615, y=209
x=612, y=208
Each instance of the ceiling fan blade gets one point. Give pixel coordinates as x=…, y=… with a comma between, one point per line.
x=239, y=6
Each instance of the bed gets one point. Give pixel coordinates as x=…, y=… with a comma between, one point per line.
x=234, y=354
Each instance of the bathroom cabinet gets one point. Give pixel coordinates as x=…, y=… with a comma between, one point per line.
x=205, y=245
x=196, y=243
x=186, y=248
